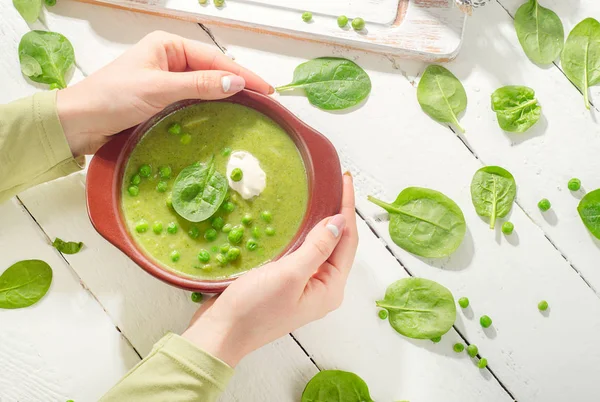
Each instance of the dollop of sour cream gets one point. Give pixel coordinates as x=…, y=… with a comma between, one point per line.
x=254, y=179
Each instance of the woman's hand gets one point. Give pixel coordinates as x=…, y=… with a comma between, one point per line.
x=268, y=302
x=159, y=70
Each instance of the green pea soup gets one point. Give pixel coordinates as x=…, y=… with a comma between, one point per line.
x=207, y=129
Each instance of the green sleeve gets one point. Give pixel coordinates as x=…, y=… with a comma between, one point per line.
x=33, y=147
x=175, y=370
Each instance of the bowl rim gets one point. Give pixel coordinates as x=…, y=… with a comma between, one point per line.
x=106, y=171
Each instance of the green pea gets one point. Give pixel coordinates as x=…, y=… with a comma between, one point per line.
x=141, y=226
x=221, y=259
x=226, y=151
x=235, y=235
x=306, y=16
x=202, y=1
x=266, y=216
x=194, y=232
x=196, y=297
x=218, y=223
x=172, y=228
x=136, y=179
x=256, y=232
x=463, y=302
x=165, y=172
x=224, y=248
x=228, y=206
x=358, y=24
x=247, y=219
x=482, y=363
x=50, y=3
x=210, y=234
x=342, y=21
x=219, y=3
x=227, y=228
x=507, y=228
x=437, y=339
x=145, y=170
x=233, y=253
x=133, y=191
x=574, y=184
x=169, y=201
x=206, y=267
x=157, y=227
x=204, y=256
x=185, y=139
x=458, y=347
x=383, y=314
x=543, y=305
x=161, y=187
x=544, y=205
x=175, y=256
x=270, y=231
x=236, y=174
x=472, y=350
x=485, y=321
x=174, y=129
x=251, y=245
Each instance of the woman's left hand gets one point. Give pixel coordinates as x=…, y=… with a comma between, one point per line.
x=160, y=69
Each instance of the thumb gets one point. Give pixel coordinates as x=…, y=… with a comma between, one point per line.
x=320, y=243
x=204, y=84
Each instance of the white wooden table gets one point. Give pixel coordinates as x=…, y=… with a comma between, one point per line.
x=103, y=313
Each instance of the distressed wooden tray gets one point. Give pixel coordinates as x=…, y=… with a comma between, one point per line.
x=430, y=30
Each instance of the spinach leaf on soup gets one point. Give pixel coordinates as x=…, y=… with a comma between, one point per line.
x=198, y=191
x=540, y=32
x=331, y=83
x=67, y=247
x=425, y=222
x=46, y=57
x=493, y=191
x=24, y=283
x=581, y=57
x=589, y=211
x=441, y=95
x=29, y=9
x=516, y=107
x=419, y=308
x=336, y=386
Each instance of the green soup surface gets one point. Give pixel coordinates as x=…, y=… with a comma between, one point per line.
x=194, y=134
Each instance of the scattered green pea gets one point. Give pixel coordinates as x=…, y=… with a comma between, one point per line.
x=194, y=232
x=175, y=256
x=172, y=228
x=169, y=201
x=508, y=228
x=228, y=206
x=227, y=228
x=145, y=170
x=174, y=129
x=543, y=305
x=219, y=3
x=236, y=174
x=472, y=350
x=233, y=253
x=270, y=231
x=202, y=1
x=218, y=223
x=157, y=227
x=141, y=226
x=226, y=151
x=383, y=314
x=235, y=235
x=161, y=187
x=247, y=220
x=266, y=216
x=165, y=172
x=251, y=245
x=256, y=232
x=544, y=205
x=458, y=347
x=342, y=21
x=203, y=256
x=196, y=297
x=485, y=321
x=306, y=16
x=224, y=248
x=210, y=234
x=221, y=259
x=437, y=339
x=358, y=24
x=482, y=363
x=574, y=184
x=136, y=179
x=133, y=191
x=463, y=302
x=185, y=139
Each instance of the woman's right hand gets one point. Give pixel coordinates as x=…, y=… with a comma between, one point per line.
x=268, y=302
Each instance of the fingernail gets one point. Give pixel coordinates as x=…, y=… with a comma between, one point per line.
x=271, y=90
x=232, y=83
x=347, y=173
x=336, y=225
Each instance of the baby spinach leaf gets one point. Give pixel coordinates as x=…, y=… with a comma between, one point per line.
x=331, y=83
x=198, y=191
x=419, y=308
x=540, y=32
x=29, y=9
x=516, y=107
x=336, y=386
x=67, y=247
x=493, y=191
x=441, y=95
x=46, y=57
x=24, y=283
x=581, y=57
x=425, y=222
x=589, y=211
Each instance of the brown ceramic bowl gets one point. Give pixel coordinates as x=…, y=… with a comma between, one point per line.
x=105, y=176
